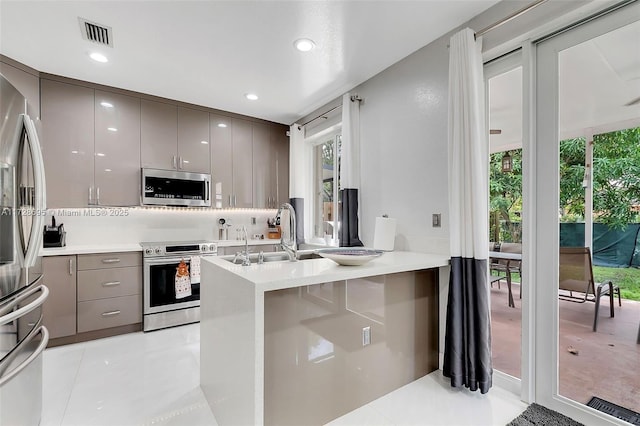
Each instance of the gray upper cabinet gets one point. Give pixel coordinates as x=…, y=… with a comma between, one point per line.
x=242, y=163
x=193, y=140
x=117, y=149
x=158, y=135
x=68, y=143
x=221, y=161
x=27, y=83
x=174, y=138
x=262, y=170
x=280, y=147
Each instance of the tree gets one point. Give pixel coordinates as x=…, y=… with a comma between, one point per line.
x=505, y=195
x=616, y=177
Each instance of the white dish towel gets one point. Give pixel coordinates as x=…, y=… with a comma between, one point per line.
x=195, y=269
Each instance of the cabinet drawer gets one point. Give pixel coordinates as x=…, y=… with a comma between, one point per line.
x=112, y=282
x=106, y=313
x=109, y=260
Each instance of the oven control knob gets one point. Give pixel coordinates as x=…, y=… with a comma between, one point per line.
x=148, y=250
x=158, y=250
x=212, y=248
x=203, y=247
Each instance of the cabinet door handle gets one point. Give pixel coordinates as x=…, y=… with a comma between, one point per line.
x=174, y=163
x=90, y=195
x=111, y=283
x=229, y=200
x=110, y=313
x=180, y=162
x=114, y=260
x=235, y=201
x=70, y=266
x=97, y=195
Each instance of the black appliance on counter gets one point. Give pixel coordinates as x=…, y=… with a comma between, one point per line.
x=54, y=235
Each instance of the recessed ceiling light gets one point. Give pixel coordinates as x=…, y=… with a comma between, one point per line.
x=98, y=57
x=112, y=129
x=222, y=125
x=304, y=44
x=185, y=161
x=100, y=154
x=74, y=152
x=251, y=96
x=107, y=170
x=204, y=142
x=106, y=104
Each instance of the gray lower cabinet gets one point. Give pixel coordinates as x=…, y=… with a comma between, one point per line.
x=59, y=311
x=109, y=290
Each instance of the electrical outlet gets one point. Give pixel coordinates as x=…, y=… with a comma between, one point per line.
x=366, y=336
x=436, y=220
x=253, y=221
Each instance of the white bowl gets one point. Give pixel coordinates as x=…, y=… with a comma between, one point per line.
x=350, y=256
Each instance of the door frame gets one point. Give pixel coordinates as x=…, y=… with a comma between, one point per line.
x=546, y=189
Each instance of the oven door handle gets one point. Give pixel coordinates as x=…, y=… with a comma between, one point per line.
x=166, y=260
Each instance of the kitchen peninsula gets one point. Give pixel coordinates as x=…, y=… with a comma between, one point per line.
x=308, y=341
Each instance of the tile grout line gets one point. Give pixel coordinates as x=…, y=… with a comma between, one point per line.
x=73, y=386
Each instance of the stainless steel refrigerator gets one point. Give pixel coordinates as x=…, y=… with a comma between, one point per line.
x=23, y=338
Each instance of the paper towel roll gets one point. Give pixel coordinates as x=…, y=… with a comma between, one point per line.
x=384, y=235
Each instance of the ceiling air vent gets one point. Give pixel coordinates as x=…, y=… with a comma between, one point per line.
x=96, y=33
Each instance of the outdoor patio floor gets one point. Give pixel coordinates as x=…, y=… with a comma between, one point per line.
x=607, y=364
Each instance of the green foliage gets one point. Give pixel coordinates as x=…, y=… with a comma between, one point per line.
x=505, y=195
x=616, y=177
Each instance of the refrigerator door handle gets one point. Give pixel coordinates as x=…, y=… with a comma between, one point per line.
x=12, y=314
x=43, y=344
x=35, y=237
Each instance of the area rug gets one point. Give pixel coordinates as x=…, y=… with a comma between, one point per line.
x=541, y=416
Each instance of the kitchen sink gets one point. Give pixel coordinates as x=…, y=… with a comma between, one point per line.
x=278, y=256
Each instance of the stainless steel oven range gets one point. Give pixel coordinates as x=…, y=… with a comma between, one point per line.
x=172, y=296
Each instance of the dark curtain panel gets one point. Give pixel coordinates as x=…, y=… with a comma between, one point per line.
x=298, y=206
x=349, y=218
x=467, y=350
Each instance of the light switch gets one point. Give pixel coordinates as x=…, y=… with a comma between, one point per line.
x=366, y=336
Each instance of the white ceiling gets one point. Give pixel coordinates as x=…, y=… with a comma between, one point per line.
x=597, y=79
x=213, y=52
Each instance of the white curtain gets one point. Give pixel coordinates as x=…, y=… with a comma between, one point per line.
x=468, y=335
x=350, y=173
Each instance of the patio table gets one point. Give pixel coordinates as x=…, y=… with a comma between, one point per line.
x=507, y=257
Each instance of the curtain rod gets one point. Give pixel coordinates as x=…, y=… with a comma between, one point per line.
x=353, y=98
x=510, y=17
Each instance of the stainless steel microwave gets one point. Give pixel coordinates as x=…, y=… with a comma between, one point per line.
x=175, y=188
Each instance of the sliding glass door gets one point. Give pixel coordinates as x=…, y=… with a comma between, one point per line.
x=587, y=360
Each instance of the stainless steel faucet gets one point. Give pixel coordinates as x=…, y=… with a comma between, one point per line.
x=244, y=256
x=290, y=246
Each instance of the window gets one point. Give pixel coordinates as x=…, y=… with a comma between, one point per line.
x=326, y=219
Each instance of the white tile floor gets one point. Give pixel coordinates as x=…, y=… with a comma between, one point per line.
x=153, y=379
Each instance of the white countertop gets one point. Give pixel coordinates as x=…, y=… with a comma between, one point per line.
x=280, y=275
x=89, y=248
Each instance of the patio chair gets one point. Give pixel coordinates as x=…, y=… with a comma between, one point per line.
x=502, y=265
x=576, y=275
